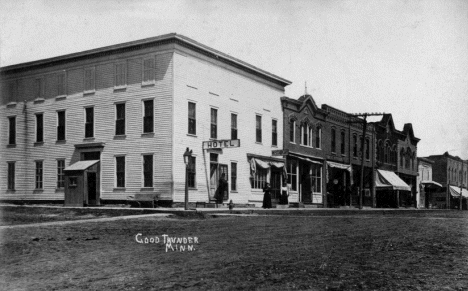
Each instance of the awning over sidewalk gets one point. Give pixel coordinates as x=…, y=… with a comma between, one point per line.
x=389, y=180
x=431, y=183
x=81, y=165
x=340, y=166
x=296, y=156
x=455, y=191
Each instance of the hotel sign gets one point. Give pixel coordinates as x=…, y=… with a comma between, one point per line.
x=221, y=144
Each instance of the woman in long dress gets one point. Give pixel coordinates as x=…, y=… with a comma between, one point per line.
x=267, y=196
x=284, y=194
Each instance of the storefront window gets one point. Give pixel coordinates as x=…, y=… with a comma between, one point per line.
x=316, y=178
x=292, y=174
x=260, y=178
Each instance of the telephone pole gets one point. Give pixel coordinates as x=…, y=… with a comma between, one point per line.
x=363, y=148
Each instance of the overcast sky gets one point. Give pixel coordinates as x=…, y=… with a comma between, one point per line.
x=408, y=58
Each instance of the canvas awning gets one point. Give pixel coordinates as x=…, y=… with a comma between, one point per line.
x=339, y=166
x=304, y=159
x=277, y=164
x=431, y=183
x=81, y=165
x=389, y=180
x=455, y=191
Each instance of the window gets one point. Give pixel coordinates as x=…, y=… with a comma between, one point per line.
x=311, y=140
x=60, y=174
x=233, y=176
x=72, y=181
x=214, y=123
x=39, y=173
x=192, y=173
x=233, y=126
x=39, y=127
x=89, y=122
x=402, y=153
x=318, y=138
x=333, y=140
x=38, y=88
x=89, y=79
x=61, y=125
x=260, y=178
x=11, y=176
x=292, y=174
x=120, y=75
x=386, y=153
x=342, y=144
x=120, y=119
x=13, y=92
x=147, y=170
x=148, y=118
x=355, y=150
x=258, y=127
x=61, y=84
x=192, y=121
x=316, y=178
x=148, y=70
x=368, y=149
x=274, y=132
x=120, y=171
x=12, y=130
x=305, y=135
x=292, y=131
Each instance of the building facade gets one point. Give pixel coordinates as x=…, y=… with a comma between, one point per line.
x=397, y=167
x=120, y=118
x=425, y=185
x=452, y=173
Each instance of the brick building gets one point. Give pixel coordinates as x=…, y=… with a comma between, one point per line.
x=324, y=154
x=425, y=184
x=452, y=173
x=397, y=167
x=115, y=121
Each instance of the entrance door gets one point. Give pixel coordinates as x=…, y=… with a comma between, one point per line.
x=306, y=185
x=222, y=168
x=275, y=183
x=92, y=191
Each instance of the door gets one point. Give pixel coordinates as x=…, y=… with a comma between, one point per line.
x=223, y=169
x=92, y=191
x=306, y=185
x=275, y=183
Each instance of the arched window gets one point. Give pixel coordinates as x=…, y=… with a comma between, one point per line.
x=342, y=141
x=318, y=137
x=304, y=134
x=367, y=149
x=355, y=149
x=292, y=131
x=402, y=158
x=333, y=140
x=311, y=136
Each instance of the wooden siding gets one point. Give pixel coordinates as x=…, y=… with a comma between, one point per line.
x=209, y=84
x=133, y=145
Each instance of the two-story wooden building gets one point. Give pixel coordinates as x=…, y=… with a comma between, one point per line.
x=108, y=123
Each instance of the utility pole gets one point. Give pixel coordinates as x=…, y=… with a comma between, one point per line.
x=363, y=149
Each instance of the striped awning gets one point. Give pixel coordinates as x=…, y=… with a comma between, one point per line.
x=389, y=180
x=455, y=191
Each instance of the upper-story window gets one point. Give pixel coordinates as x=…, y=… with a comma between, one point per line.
x=61, y=84
x=38, y=88
x=13, y=92
x=12, y=130
x=192, y=118
x=342, y=142
x=148, y=71
x=148, y=116
x=89, y=79
x=355, y=145
x=305, y=135
x=274, y=132
x=333, y=140
x=233, y=126
x=39, y=127
x=120, y=119
x=367, y=149
x=61, y=125
x=258, y=128
x=89, y=122
x=292, y=131
x=318, y=138
x=214, y=123
x=120, y=75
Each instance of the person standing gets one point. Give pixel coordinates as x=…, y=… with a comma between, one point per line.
x=284, y=193
x=222, y=186
x=267, y=196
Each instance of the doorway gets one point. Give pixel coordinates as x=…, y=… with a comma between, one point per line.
x=275, y=183
x=92, y=191
x=216, y=170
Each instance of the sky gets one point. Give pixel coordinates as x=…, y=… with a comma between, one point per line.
x=407, y=58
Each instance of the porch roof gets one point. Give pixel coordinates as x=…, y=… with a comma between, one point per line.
x=81, y=165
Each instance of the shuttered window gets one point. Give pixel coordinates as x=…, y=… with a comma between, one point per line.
x=120, y=119
x=60, y=125
x=148, y=118
x=89, y=122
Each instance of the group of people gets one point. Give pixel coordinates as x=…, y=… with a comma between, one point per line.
x=283, y=198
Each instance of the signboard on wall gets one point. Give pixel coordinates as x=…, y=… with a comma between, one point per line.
x=221, y=144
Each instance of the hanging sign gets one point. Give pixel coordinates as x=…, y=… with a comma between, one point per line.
x=221, y=144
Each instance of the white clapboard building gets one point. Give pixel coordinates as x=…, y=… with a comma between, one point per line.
x=101, y=125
